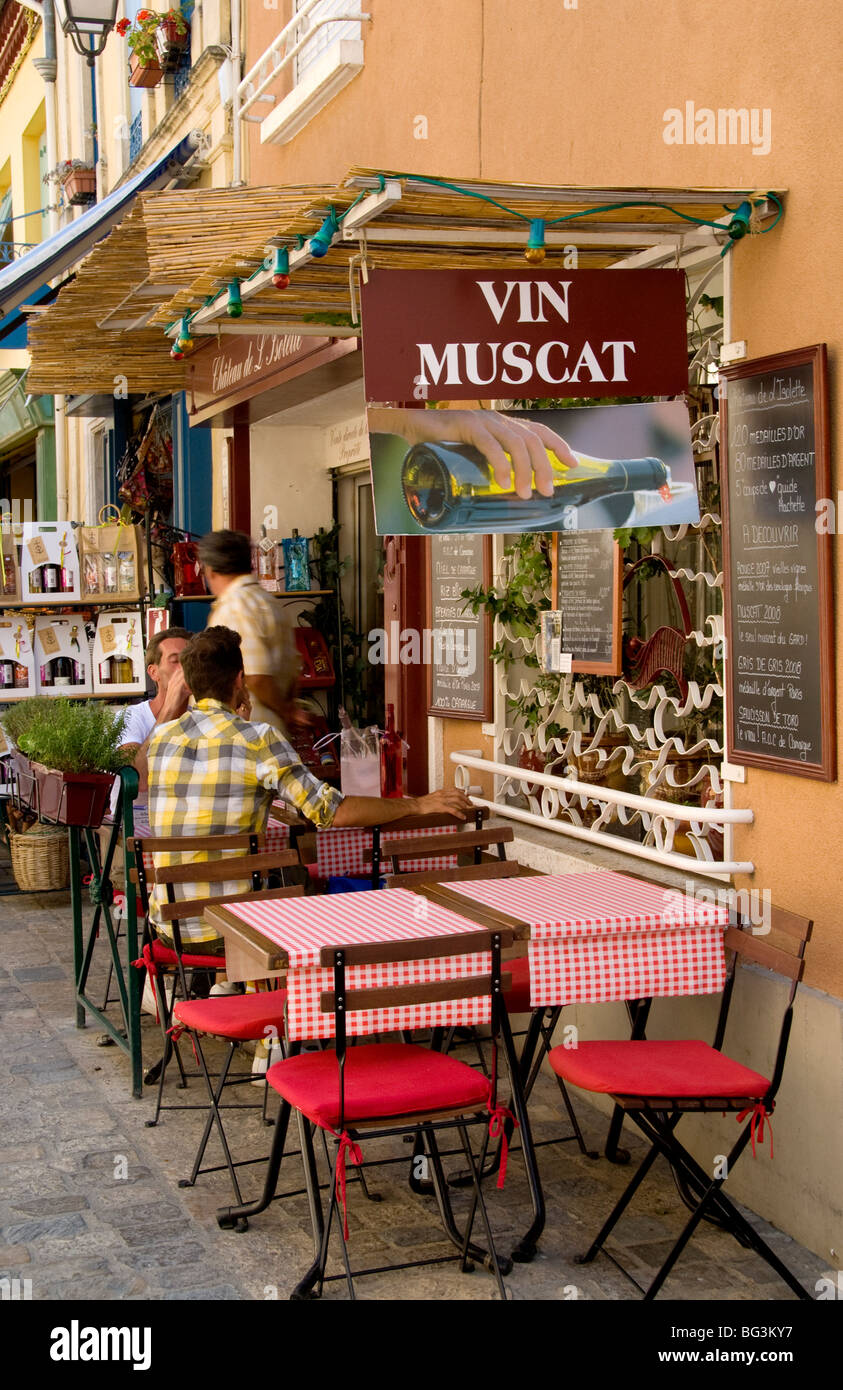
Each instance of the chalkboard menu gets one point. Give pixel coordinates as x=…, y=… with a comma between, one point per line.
x=460, y=673
x=777, y=563
x=588, y=591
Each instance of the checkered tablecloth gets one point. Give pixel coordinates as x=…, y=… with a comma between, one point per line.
x=302, y=926
x=348, y=853
x=606, y=936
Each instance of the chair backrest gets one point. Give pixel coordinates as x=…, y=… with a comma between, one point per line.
x=342, y=1000
x=357, y=853
x=478, y=842
x=781, y=949
x=255, y=864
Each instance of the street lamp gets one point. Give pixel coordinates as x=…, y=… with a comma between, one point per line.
x=88, y=24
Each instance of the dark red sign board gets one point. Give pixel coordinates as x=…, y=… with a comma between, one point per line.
x=523, y=334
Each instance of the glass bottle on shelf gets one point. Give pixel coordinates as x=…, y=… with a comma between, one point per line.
x=62, y=671
x=7, y=674
x=51, y=579
x=91, y=574
x=47, y=674
x=68, y=579
x=125, y=571
x=109, y=573
x=21, y=676
x=117, y=670
x=8, y=575
x=35, y=580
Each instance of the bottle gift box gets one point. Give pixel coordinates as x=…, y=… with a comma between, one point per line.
x=118, y=656
x=17, y=660
x=112, y=562
x=62, y=656
x=49, y=563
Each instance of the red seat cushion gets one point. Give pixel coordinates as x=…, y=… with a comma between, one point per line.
x=165, y=955
x=656, y=1068
x=381, y=1080
x=517, y=997
x=241, y=1016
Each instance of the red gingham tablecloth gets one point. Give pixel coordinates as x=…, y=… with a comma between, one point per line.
x=302, y=926
x=605, y=936
x=348, y=853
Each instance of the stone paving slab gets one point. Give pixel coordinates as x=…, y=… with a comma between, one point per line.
x=90, y=1205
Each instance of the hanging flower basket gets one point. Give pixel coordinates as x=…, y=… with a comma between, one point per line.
x=142, y=73
x=80, y=187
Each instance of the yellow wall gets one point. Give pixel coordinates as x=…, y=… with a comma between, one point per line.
x=21, y=123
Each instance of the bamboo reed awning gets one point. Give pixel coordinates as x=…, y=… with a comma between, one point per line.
x=176, y=253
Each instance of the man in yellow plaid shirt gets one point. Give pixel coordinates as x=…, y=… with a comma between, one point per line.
x=213, y=773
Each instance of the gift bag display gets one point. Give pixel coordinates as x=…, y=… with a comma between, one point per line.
x=118, y=658
x=17, y=660
x=49, y=565
x=62, y=656
x=112, y=558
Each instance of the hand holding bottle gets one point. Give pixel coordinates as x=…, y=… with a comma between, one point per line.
x=525, y=441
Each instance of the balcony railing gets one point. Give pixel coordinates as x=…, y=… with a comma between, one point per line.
x=309, y=36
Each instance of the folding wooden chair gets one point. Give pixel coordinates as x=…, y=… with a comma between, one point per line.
x=160, y=959
x=656, y=1083
x=380, y=1089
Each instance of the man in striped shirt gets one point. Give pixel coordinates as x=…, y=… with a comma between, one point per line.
x=213, y=773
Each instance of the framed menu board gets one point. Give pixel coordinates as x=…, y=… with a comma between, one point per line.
x=587, y=579
x=777, y=563
x=459, y=664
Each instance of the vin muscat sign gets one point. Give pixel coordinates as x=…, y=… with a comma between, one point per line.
x=457, y=334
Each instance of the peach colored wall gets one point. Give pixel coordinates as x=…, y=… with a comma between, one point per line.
x=543, y=93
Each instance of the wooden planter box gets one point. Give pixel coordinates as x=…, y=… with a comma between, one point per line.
x=144, y=74
x=80, y=187
x=66, y=798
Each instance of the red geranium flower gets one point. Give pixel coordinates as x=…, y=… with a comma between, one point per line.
x=143, y=14
x=122, y=25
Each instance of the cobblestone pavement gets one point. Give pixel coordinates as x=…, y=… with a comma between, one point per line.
x=90, y=1205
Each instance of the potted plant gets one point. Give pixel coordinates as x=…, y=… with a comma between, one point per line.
x=78, y=180
x=151, y=36
x=65, y=757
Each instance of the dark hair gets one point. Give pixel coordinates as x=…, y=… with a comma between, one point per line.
x=153, y=650
x=211, y=662
x=226, y=552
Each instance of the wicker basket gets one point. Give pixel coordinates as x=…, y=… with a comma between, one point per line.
x=40, y=859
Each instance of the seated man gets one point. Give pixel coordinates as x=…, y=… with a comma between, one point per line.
x=212, y=773
x=163, y=667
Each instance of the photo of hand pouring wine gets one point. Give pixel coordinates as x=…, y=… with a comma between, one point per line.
x=437, y=471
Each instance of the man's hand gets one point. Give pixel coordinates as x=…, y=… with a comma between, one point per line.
x=525, y=441
x=243, y=709
x=449, y=802
x=176, y=698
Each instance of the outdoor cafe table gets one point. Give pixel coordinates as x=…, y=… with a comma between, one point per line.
x=592, y=938
x=599, y=937
x=287, y=935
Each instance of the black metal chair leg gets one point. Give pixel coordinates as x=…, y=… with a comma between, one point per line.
x=479, y=1201
x=227, y=1217
x=620, y=1207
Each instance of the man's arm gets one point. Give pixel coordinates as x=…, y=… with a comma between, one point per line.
x=377, y=810
x=175, y=703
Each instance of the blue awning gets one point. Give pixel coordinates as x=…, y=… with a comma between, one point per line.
x=68, y=246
